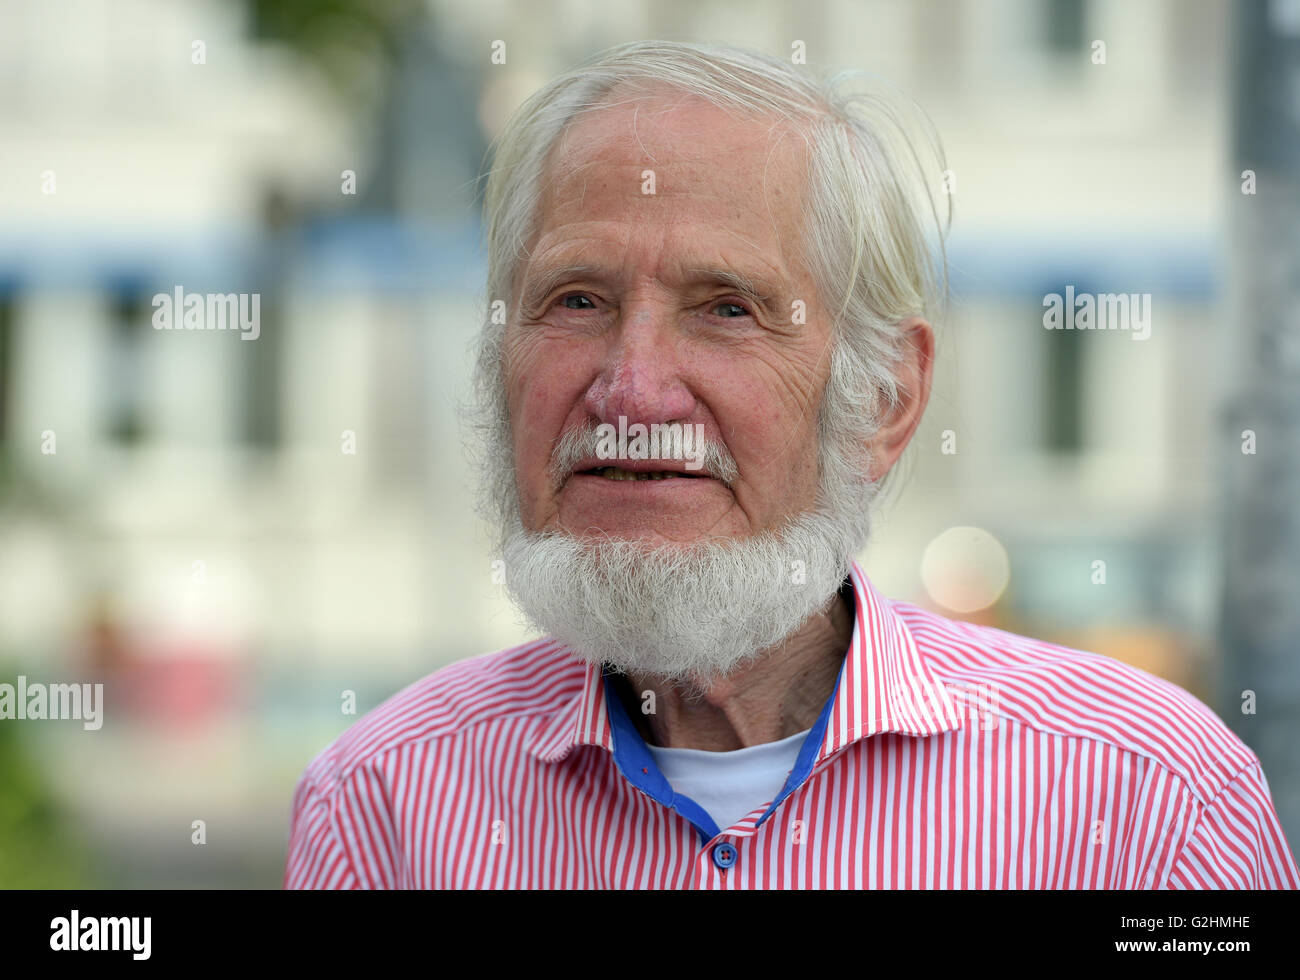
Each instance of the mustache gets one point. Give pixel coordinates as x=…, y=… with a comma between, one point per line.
x=582, y=441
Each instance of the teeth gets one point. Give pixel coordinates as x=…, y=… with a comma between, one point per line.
x=614, y=473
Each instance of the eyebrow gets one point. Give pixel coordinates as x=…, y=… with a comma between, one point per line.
x=540, y=284
x=753, y=287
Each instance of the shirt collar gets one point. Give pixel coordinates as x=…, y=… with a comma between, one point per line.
x=884, y=685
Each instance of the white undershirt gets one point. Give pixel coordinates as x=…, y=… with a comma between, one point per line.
x=730, y=784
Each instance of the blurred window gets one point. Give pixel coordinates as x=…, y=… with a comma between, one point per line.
x=130, y=313
x=1063, y=24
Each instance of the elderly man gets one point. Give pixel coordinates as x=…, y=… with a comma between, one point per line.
x=700, y=248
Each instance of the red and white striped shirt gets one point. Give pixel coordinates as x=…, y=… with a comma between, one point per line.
x=950, y=755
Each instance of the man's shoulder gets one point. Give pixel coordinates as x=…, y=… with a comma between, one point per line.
x=1076, y=694
x=530, y=681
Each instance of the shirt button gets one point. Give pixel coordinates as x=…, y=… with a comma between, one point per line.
x=724, y=855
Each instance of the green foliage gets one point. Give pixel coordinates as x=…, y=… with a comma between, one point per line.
x=348, y=40
x=36, y=848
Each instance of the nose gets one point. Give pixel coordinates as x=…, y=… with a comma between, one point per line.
x=640, y=378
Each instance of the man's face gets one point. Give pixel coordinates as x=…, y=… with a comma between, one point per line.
x=645, y=331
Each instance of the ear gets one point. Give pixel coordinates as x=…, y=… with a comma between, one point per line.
x=914, y=374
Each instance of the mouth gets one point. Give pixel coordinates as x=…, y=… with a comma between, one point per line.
x=617, y=473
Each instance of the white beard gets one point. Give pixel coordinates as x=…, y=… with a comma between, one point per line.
x=683, y=613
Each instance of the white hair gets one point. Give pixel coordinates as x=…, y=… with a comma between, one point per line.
x=875, y=244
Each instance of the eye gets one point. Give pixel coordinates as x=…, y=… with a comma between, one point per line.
x=737, y=307
x=565, y=300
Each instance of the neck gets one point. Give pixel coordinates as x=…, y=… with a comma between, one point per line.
x=777, y=694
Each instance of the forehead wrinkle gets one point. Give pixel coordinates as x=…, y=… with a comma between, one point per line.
x=736, y=234
x=590, y=149
x=773, y=147
x=657, y=102
x=636, y=110
x=575, y=142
